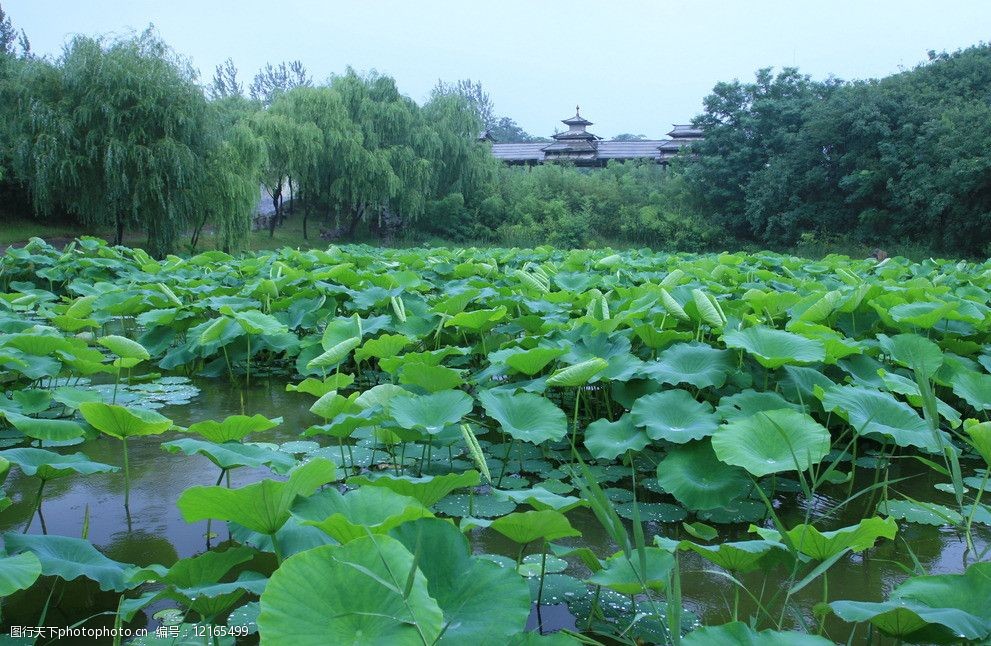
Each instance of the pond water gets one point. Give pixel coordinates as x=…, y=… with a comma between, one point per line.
x=155, y=532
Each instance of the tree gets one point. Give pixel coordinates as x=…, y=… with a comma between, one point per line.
x=118, y=136
x=225, y=83
x=290, y=149
x=626, y=136
x=508, y=131
x=471, y=92
x=273, y=80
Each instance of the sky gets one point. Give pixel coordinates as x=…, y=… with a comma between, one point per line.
x=632, y=65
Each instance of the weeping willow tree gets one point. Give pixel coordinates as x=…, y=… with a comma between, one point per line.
x=117, y=135
x=385, y=165
x=291, y=146
x=229, y=186
x=462, y=165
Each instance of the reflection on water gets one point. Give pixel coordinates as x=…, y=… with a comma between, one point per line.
x=158, y=534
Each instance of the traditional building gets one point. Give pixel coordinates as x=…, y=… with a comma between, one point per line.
x=580, y=147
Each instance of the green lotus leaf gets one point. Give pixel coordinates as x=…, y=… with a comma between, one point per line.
x=73, y=397
x=263, y=506
x=50, y=430
x=624, y=574
x=234, y=428
x=340, y=330
x=369, y=589
x=923, y=513
x=124, y=348
x=658, y=512
x=607, y=440
x=879, y=415
x=540, y=498
x=974, y=388
x=387, y=345
x=483, y=603
x=822, y=545
x=708, y=309
x=333, y=356
x=738, y=633
x=426, y=489
x=697, y=479
x=526, y=416
x=430, y=378
x=750, y=402
x=320, y=387
x=980, y=438
x=674, y=416
x=194, y=583
x=30, y=400
x=231, y=455
x=331, y=404
x=21, y=571
x=71, y=558
x=737, y=556
x=477, y=319
x=672, y=306
x=772, y=442
x=255, y=322
x=48, y=464
x=529, y=526
x=532, y=361
x=913, y=351
x=691, y=363
x=432, y=412
x=121, y=422
x=578, y=374
x=345, y=517
x=775, y=348
x=941, y=608
x=463, y=505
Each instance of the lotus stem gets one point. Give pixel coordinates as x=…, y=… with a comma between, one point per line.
x=36, y=509
x=540, y=588
x=127, y=477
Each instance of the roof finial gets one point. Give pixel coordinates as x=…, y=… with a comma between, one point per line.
x=577, y=111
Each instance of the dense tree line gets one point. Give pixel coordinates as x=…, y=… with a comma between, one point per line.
x=906, y=157
x=122, y=136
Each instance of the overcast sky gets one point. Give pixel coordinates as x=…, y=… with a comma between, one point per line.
x=633, y=66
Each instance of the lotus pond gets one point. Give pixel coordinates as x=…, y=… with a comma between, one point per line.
x=493, y=446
